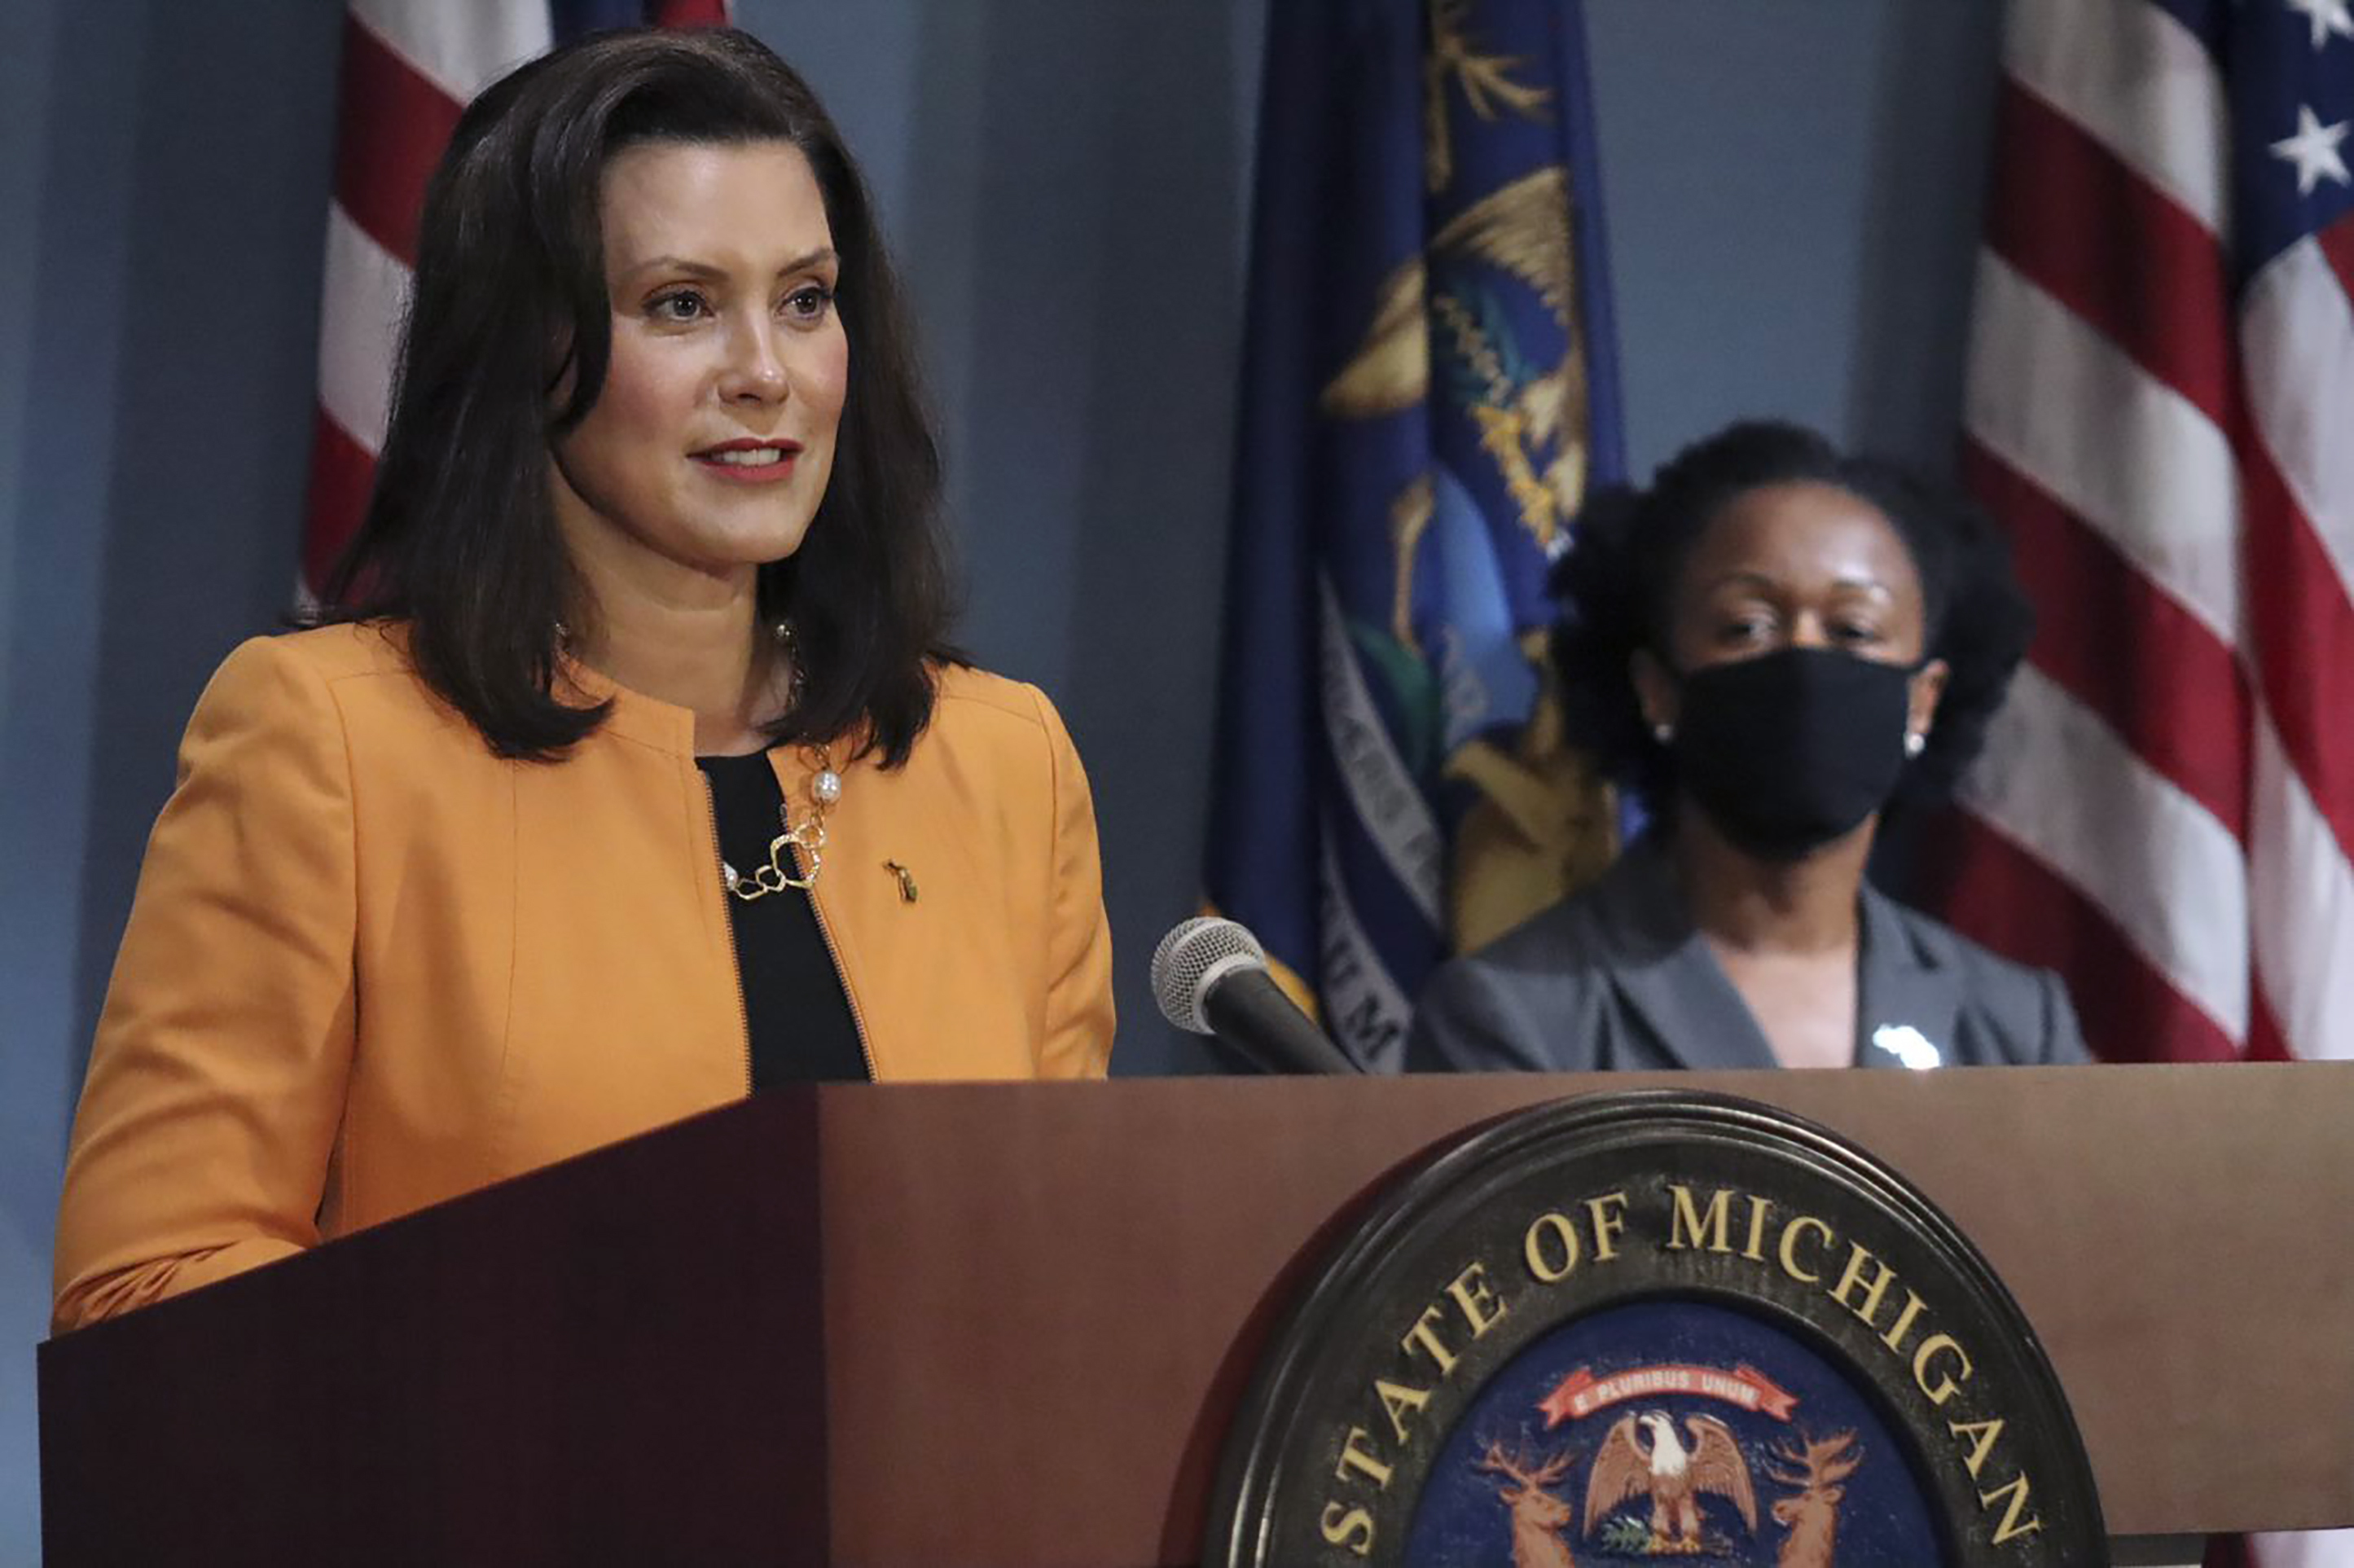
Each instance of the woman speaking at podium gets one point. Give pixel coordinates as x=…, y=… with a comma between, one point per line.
x=1769, y=646
x=638, y=774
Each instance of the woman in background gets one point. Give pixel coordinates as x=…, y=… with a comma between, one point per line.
x=1768, y=646
x=637, y=773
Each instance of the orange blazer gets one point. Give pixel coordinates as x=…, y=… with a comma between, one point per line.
x=371, y=966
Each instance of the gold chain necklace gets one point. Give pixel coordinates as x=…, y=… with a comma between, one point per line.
x=825, y=789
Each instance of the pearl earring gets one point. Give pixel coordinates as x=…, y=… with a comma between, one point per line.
x=1664, y=734
x=1915, y=743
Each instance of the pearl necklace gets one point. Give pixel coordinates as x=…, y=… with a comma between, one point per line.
x=825, y=789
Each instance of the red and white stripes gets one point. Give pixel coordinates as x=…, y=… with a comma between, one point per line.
x=409, y=69
x=2166, y=809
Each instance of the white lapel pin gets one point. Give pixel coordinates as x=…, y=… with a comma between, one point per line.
x=1908, y=1045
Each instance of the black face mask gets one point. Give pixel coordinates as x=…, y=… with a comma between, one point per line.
x=1792, y=750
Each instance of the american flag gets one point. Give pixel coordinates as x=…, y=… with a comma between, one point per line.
x=409, y=67
x=2161, y=408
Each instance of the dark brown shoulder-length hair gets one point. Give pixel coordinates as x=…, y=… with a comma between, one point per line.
x=460, y=537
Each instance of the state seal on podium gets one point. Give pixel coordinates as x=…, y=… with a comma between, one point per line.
x=1648, y=1328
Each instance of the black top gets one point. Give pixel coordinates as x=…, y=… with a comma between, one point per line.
x=802, y=1031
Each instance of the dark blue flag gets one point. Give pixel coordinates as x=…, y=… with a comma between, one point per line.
x=1428, y=390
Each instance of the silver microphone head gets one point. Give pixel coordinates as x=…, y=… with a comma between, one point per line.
x=1196, y=955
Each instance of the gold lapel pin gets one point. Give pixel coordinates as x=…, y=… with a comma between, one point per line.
x=906, y=880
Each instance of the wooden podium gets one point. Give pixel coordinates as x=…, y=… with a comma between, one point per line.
x=968, y=1325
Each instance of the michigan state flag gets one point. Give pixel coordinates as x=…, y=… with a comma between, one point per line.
x=1428, y=390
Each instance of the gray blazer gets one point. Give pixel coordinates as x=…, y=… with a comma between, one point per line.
x=1617, y=977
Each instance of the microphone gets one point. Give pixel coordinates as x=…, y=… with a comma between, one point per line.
x=1211, y=977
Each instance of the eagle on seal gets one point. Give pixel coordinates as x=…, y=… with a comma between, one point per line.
x=1672, y=1474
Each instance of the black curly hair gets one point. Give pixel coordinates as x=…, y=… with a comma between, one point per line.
x=1628, y=549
